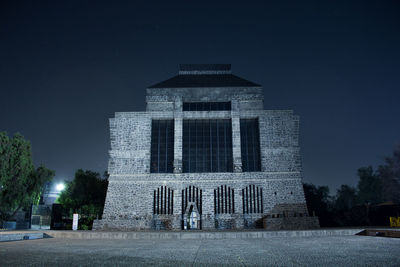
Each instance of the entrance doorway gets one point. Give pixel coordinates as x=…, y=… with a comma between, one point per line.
x=193, y=220
x=191, y=217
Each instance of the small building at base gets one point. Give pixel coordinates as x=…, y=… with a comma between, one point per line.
x=205, y=155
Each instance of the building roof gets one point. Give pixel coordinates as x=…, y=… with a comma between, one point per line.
x=204, y=75
x=204, y=67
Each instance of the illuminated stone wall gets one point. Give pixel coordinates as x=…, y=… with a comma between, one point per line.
x=130, y=196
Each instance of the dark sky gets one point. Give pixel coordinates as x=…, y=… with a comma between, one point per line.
x=67, y=66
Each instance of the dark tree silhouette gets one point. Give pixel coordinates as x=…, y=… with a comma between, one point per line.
x=320, y=203
x=20, y=183
x=346, y=198
x=85, y=195
x=369, y=187
x=389, y=174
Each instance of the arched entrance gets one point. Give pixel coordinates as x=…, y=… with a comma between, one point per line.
x=191, y=217
x=191, y=208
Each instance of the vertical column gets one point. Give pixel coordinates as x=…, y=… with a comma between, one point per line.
x=177, y=196
x=178, y=115
x=208, y=215
x=177, y=207
x=239, y=209
x=236, y=151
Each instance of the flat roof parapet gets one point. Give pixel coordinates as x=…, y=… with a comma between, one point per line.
x=204, y=75
x=198, y=69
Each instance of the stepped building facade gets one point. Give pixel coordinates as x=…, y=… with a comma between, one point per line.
x=204, y=155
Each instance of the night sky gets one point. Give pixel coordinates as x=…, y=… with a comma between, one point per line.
x=67, y=66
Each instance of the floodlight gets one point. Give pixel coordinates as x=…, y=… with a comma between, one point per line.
x=60, y=187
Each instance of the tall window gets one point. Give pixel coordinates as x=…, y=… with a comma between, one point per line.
x=250, y=145
x=162, y=146
x=207, y=146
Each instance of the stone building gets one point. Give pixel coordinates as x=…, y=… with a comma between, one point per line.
x=204, y=155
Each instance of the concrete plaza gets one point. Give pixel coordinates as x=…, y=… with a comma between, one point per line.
x=271, y=251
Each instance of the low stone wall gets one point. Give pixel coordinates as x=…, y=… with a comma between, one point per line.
x=291, y=223
x=166, y=222
x=174, y=222
x=252, y=221
x=228, y=221
x=196, y=235
x=15, y=236
x=290, y=209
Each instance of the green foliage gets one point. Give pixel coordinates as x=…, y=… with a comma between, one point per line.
x=346, y=211
x=85, y=194
x=317, y=197
x=346, y=198
x=369, y=187
x=358, y=206
x=390, y=177
x=20, y=182
x=319, y=202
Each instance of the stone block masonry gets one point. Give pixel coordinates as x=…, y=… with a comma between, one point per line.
x=137, y=198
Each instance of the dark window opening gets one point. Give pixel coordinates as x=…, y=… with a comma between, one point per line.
x=206, y=106
x=252, y=198
x=207, y=146
x=224, y=200
x=192, y=194
x=163, y=201
x=250, y=145
x=162, y=146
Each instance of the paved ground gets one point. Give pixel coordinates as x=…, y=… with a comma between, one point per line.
x=274, y=251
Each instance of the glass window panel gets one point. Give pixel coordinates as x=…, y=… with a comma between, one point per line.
x=186, y=106
x=206, y=106
x=222, y=106
x=162, y=146
x=208, y=147
x=250, y=145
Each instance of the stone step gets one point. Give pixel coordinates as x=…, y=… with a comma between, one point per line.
x=156, y=235
x=10, y=236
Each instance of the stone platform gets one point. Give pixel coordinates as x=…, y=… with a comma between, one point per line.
x=165, y=235
x=345, y=250
x=21, y=235
x=157, y=235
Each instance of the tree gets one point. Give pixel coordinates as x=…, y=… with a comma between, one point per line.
x=369, y=187
x=346, y=198
x=85, y=194
x=319, y=201
x=20, y=182
x=389, y=174
x=346, y=211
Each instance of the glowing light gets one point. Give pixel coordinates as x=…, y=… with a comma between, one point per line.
x=60, y=187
